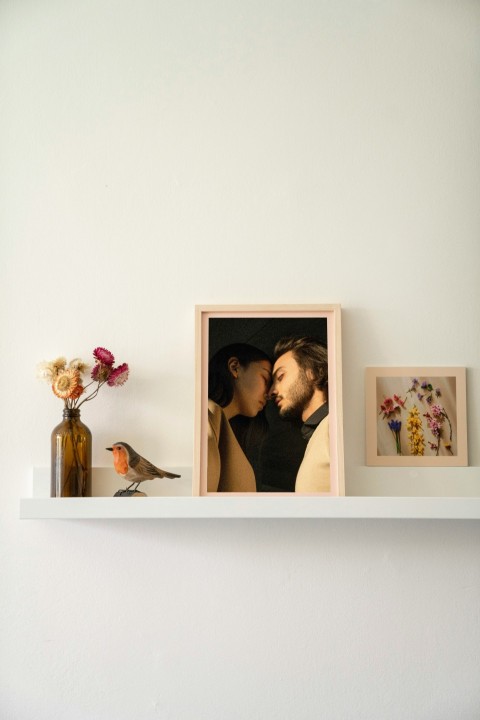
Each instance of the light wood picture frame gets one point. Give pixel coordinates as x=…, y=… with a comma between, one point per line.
x=277, y=457
x=416, y=416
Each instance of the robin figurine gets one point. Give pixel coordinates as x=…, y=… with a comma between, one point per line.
x=133, y=467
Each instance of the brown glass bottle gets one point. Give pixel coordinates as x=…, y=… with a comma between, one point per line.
x=71, y=469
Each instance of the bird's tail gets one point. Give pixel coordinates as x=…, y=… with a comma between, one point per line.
x=171, y=475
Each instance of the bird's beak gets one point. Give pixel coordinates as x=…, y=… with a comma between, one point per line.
x=111, y=449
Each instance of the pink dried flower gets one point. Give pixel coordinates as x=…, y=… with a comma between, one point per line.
x=391, y=405
x=434, y=425
x=437, y=411
x=103, y=356
x=118, y=376
x=101, y=372
x=387, y=407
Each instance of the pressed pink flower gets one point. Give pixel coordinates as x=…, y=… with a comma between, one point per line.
x=119, y=375
x=387, y=407
x=434, y=426
x=391, y=405
x=437, y=411
x=103, y=356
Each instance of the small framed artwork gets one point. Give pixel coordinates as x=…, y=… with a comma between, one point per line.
x=416, y=416
x=268, y=400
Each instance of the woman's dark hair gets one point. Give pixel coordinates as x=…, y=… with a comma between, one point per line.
x=250, y=432
x=220, y=379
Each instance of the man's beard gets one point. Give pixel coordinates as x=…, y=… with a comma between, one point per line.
x=299, y=395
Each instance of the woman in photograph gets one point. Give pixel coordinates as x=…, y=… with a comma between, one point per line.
x=239, y=378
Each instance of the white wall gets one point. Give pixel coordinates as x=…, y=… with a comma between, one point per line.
x=155, y=155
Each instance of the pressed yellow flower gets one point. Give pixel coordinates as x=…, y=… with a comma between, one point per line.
x=415, y=432
x=66, y=383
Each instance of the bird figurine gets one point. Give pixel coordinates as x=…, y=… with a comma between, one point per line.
x=133, y=467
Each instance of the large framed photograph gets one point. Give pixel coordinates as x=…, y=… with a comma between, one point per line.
x=268, y=400
x=416, y=416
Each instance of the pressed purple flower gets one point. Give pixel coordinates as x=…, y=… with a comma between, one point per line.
x=118, y=375
x=424, y=385
x=103, y=356
x=420, y=396
x=438, y=392
x=430, y=399
x=395, y=426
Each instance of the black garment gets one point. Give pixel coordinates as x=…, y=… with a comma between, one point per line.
x=312, y=422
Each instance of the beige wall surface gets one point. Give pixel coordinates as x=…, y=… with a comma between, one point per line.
x=159, y=155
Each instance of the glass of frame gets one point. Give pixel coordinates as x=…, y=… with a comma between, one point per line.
x=416, y=416
x=268, y=448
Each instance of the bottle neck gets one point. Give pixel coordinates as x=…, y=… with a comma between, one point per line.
x=71, y=413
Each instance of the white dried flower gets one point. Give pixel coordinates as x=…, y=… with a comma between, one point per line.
x=46, y=372
x=78, y=364
x=59, y=365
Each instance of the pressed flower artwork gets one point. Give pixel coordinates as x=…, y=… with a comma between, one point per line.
x=416, y=416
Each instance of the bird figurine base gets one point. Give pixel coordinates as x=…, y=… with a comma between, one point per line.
x=130, y=493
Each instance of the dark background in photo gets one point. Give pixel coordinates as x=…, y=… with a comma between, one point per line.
x=277, y=458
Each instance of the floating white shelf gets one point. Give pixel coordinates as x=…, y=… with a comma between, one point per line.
x=172, y=499
x=266, y=506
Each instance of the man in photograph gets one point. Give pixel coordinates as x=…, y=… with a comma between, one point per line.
x=300, y=391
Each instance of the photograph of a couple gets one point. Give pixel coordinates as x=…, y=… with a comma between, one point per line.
x=270, y=389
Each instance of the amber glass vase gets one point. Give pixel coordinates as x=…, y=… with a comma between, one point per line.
x=71, y=457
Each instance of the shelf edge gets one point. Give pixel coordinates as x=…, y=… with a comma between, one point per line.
x=108, y=508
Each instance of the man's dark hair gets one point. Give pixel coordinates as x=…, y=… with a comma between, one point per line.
x=310, y=354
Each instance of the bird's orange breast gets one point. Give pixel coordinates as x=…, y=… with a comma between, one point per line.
x=120, y=460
